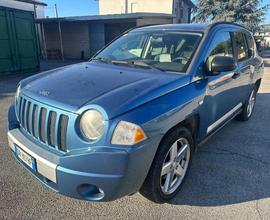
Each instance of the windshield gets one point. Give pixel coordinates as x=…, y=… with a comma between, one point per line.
x=163, y=50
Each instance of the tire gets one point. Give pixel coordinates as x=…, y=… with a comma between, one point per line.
x=161, y=187
x=249, y=105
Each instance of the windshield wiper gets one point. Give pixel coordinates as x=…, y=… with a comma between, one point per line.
x=100, y=59
x=146, y=65
x=136, y=64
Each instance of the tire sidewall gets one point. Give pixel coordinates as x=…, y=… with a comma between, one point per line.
x=246, y=116
x=163, y=149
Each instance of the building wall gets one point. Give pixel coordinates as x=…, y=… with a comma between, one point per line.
x=40, y=13
x=76, y=40
x=75, y=37
x=118, y=6
x=97, y=37
x=23, y=6
x=179, y=8
x=182, y=12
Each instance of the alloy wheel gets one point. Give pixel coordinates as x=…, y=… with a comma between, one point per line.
x=251, y=103
x=175, y=166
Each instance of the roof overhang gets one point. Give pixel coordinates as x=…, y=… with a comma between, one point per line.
x=32, y=2
x=98, y=18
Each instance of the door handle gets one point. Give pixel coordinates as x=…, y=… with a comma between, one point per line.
x=236, y=75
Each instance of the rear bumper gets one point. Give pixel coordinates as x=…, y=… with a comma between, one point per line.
x=100, y=174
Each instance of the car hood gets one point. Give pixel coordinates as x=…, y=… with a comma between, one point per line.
x=117, y=89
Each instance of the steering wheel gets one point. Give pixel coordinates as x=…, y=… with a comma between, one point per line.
x=180, y=58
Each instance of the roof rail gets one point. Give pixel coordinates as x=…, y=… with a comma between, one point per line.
x=134, y=28
x=225, y=22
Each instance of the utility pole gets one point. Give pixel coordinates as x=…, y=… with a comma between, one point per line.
x=126, y=6
x=56, y=10
x=60, y=32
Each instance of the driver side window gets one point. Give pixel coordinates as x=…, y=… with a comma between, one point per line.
x=221, y=46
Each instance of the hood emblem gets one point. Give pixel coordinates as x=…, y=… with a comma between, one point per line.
x=44, y=93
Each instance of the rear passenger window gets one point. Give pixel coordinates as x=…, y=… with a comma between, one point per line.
x=241, y=48
x=221, y=46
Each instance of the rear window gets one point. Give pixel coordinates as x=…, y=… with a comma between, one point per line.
x=241, y=47
x=221, y=46
x=251, y=44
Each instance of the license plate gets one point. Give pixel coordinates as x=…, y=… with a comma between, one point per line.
x=25, y=158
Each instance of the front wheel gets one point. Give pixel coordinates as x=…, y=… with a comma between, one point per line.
x=249, y=106
x=170, y=166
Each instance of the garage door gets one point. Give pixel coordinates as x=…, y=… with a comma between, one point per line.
x=18, y=40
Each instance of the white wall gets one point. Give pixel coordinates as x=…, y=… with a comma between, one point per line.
x=40, y=13
x=181, y=10
x=118, y=6
x=23, y=6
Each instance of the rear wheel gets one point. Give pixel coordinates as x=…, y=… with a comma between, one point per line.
x=170, y=166
x=249, y=106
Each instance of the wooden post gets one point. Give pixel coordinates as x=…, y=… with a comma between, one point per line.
x=44, y=41
x=61, y=41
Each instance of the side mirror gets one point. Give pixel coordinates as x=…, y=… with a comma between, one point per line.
x=221, y=64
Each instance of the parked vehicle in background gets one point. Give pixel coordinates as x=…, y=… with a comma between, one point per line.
x=131, y=118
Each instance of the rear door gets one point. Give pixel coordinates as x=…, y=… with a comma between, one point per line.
x=244, y=67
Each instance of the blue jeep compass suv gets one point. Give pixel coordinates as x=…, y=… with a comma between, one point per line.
x=132, y=117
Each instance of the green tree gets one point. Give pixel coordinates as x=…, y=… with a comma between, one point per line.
x=248, y=13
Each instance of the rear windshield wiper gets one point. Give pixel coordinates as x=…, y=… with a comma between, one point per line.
x=136, y=64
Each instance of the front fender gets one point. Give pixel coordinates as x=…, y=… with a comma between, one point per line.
x=160, y=115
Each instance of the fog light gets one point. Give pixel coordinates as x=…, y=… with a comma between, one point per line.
x=90, y=192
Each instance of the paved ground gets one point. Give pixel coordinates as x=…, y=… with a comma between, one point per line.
x=229, y=179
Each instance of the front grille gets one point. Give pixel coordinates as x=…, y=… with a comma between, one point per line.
x=45, y=125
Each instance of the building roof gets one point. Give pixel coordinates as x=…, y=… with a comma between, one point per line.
x=32, y=2
x=107, y=17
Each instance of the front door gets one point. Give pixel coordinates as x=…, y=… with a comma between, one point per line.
x=221, y=100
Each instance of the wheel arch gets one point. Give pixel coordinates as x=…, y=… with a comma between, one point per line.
x=191, y=123
x=258, y=83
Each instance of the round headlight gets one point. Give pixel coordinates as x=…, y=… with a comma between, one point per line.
x=92, y=125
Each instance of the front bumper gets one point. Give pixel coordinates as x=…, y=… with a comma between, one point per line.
x=99, y=174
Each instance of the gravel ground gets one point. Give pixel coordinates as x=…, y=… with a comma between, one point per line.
x=229, y=177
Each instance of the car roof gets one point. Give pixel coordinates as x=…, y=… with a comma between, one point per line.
x=188, y=27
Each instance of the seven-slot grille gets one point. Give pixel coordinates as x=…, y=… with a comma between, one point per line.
x=45, y=125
